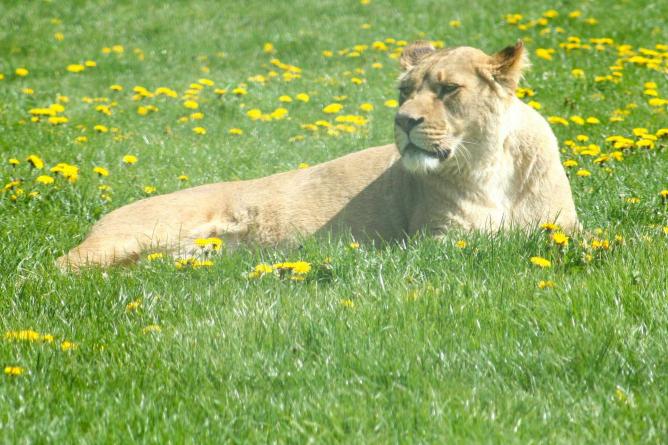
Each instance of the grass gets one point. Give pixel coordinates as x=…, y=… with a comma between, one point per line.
x=419, y=342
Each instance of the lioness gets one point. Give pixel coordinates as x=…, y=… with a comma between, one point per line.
x=468, y=154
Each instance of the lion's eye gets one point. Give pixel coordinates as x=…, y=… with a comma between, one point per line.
x=446, y=89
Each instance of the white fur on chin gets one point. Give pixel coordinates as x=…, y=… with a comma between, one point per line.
x=417, y=162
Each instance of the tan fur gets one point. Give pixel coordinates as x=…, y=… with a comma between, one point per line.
x=474, y=158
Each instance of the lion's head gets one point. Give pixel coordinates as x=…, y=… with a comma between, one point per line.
x=452, y=102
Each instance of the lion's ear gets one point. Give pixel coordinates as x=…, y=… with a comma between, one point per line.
x=509, y=64
x=415, y=52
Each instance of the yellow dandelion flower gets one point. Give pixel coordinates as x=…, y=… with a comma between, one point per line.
x=535, y=105
x=268, y=48
x=14, y=371
x=239, y=91
x=133, y=306
x=544, y=53
x=152, y=328
x=44, y=179
x=28, y=91
x=303, y=97
x=149, y=189
x=461, y=244
x=191, y=104
x=130, y=159
x=285, y=99
x=593, y=120
x=236, y=131
x=302, y=165
x=546, y=284
x=183, y=178
x=68, y=346
x=455, y=23
x=59, y=36
x=366, y=107
x=332, y=108
x=560, y=239
x=391, y=103
x=101, y=128
x=570, y=163
x=199, y=130
x=75, y=68
x=583, y=173
x=22, y=72
x=557, y=120
x=578, y=73
x=13, y=162
x=206, y=82
x=347, y=303
x=540, y=262
x=35, y=162
x=154, y=256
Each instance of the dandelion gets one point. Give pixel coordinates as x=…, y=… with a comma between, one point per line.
x=22, y=72
x=199, y=130
x=44, y=179
x=583, y=173
x=35, y=162
x=540, y=262
x=268, y=48
x=302, y=165
x=191, y=104
x=59, y=36
x=239, y=91
x=183, y=178
x=366, y=107
x=546, y=284
x=75, y=68
x=154, y=256
x=236, y=131
x=557, y=120
x=332, y=108
x=13, y=162
x=544, y=53
x=578, y=73
x=285, y=99
x=303, y=97
x=260, y=270
x=568, y=163
x=461, y=244
x=455, y=23
x=560, y=239
x=28, y=91
x=391, y=103
x=133, y=306
x=101, y=128
x=14, y=371
x=130, y=159
x=535, y=105
x=68, y=346
x=215, y=243
x=152, y=328
x=347, y=303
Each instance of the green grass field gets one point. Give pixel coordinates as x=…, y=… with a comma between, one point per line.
x=425, y=342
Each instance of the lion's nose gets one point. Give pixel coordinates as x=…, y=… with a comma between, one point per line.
x=406, y=122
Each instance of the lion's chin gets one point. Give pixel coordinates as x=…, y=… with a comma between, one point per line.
x=417, y=160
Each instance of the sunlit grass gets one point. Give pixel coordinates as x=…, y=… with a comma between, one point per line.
x=509, y=338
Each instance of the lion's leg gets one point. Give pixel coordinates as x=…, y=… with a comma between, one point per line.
x=99, y=251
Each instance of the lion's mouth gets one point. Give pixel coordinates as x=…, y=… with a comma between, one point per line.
x=441, y=155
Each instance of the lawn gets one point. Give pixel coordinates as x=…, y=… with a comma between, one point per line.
x=462, y=340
